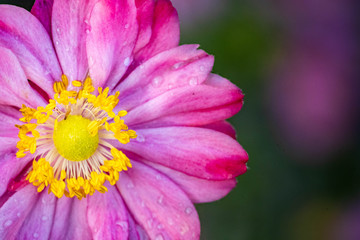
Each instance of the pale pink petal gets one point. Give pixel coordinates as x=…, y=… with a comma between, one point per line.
x=158, y=205
x=26, y=37
x=39, y=222
x=62, y=216
x=198, y=152
x=15, y=210
x=9, y=116
x=188, y=105
x=107, y=215
x=111, y=40
x=165, y=32
x=199, y=190
x=12, y=76
x=69, y=26
x=11, y=167
x=42, y=10
x=178, y=67
x=222, y=126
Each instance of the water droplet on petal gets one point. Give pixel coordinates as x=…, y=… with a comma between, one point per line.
x=140, y=138
x=18, y=214
x=202, y=68
x=49, y=50
x=160, y=199
x=58, y=30
x=159, y=237
x=160, y=226
x=188, y=210
x=127, y=26
x=36, y=235
x=130, y=185
x=57, y=42
x=149, y=222
x=123, y=225
x=7, y=223
x=127, y=61
x=193, y=81
x=157, y=81
x=177, y=66
x=170, y=86
x=170, y=222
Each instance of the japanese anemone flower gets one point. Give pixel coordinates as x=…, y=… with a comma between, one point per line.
x=108, y=128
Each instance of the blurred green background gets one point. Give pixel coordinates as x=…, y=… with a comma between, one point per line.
x=290, y=191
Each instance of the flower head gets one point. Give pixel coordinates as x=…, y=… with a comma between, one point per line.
x=109, y=129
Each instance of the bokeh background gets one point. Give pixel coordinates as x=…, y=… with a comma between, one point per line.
x=297, y=62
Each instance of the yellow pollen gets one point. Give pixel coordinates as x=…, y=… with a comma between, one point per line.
x=73, y=140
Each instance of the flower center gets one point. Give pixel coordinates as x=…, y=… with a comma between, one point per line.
x=73, y=140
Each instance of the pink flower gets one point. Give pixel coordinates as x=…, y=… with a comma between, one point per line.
x=139, y=153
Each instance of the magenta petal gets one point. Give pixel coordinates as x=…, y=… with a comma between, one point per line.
x=42, y=10
x=158, y=205
x=15, y=210
x=178, y=67
x=39, y=222
x=107, y=215
x=12, y=76
x=69, y=24
x=221, y=157
x=62, y=215
x=191, y=105
x=199, y=190
x=26, y=37
x=145, y=14
x=111, y=40
x=165, y=31
x=222, y=126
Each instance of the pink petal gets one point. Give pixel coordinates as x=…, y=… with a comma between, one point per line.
x=178, y=67
x=63, y=210
x=78, y=227
x=10, y=166
x=7, y=144
x=111, y=40
x=198, y=152
x=12, y=76
x=26, y=37
x=107, y=215
x=222, y=126
x=199, y=190
x=39, y=222
x=165, y=31
x=190, y=105
x=156, y=203
x=69, y=25
x=9, y=116
x=135, y=230
x=15, y=210
x=42, y=10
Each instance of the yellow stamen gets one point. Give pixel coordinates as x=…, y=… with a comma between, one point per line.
x=66, y=133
